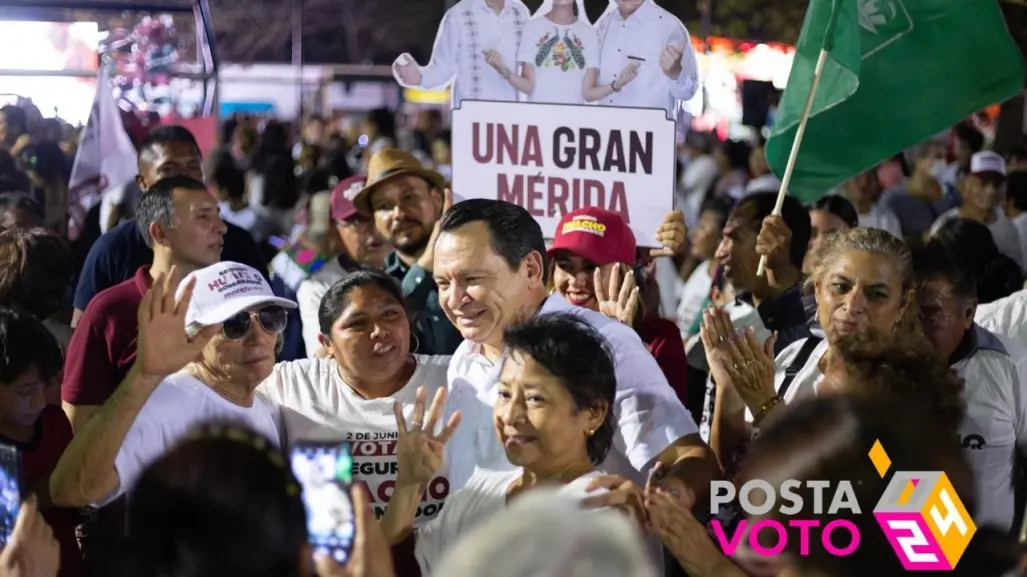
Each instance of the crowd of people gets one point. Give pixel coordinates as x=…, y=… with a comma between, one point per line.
x=514, y=404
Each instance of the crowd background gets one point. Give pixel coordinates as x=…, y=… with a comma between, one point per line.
x=915, y=298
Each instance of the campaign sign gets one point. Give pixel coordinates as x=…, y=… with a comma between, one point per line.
x=553, y=159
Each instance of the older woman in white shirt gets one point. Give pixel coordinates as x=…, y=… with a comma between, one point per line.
x=553, y=417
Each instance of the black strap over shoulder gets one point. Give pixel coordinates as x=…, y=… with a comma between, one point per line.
x=797, y=364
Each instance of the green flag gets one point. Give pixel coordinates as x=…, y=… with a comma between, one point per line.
x=897, y=73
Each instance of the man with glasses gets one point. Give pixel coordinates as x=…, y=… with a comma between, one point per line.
x=362, y=246
x=202, y=354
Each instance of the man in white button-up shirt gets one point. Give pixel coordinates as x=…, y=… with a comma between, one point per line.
x=639, y=31
x=491, y=269
x=468, y=30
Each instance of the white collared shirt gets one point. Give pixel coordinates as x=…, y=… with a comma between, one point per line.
x=645, y=34
x=649, y=415
x=467, y=30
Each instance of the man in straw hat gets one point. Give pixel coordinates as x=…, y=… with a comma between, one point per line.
x=406, y=202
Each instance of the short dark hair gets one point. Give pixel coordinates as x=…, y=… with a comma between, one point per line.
x=838, y=206
x=337, y=298
x=25, y=344
x=575, y=353
x=971, y=245
x=720, y=206
x=228, y=177
x=760, y=205
x=168, y=134
x=16, y=118
x=513, y=232
x=973, y=138
x=935, y=263
x=157, y=203
x=36, y=269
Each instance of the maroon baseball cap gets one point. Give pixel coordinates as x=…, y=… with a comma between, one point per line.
x=597, y=235
x=343, y=195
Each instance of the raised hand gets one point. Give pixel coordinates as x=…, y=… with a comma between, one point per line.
x=672, y=235
x=162, y=346
x=32, y=550
x=670, y=58
x=406, y=71
x=625, y=77
x=619, y=298
x=419, y=450
x=495, y=60
x=738, y=359
x=427, y=259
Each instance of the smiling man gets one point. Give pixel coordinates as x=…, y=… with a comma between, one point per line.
x=406, y=201
x=491, y=270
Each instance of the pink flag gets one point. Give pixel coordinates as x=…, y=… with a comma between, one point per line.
x=106, y=157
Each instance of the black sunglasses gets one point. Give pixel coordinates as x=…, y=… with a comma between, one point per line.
x=272, y=319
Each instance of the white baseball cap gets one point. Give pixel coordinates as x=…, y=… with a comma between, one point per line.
x=987, y=161
x=226, y=289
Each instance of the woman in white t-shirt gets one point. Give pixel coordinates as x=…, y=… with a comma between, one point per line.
x=558, y=57
x=349, y=395
x=552, y=415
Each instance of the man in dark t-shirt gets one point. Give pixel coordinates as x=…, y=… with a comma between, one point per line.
x=116, y=256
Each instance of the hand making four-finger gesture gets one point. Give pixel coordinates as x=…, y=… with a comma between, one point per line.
x=738, y=359
x=419, y=450
x=618, y=295
x=163, y=347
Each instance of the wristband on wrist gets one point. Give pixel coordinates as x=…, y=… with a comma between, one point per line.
x=773, y=402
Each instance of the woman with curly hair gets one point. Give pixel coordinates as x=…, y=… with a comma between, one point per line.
x=903, y=368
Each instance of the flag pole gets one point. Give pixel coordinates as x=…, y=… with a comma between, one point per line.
x=794, y=153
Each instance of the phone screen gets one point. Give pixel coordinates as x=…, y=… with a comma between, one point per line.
x=325, y=472
x=10, y=490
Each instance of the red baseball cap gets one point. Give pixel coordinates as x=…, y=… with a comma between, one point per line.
x=343, y=195
x=597, y=235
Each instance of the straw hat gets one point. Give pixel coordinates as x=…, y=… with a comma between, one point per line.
x=391, y=163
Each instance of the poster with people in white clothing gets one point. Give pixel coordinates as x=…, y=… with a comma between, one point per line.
x=469, y=31
x=641, y=36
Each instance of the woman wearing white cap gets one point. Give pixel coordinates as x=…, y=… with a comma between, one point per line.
x=199, y=357
x=558, y=57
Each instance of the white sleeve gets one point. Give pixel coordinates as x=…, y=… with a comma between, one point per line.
x=687, y=83
x=649, y=415
x=444, y=56
x=143, y=445
x=592, y=52
x=308, y=297
x=526, y=51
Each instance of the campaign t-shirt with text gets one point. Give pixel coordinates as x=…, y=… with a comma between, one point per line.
x=317, y=405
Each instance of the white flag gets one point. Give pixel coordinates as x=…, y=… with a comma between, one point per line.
x=106, y=157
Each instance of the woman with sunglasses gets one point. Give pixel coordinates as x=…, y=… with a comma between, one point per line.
x=199, y=357
x=349, y=394
x=597, y=265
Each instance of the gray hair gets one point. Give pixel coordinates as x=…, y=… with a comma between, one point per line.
x=544, y=534
x=157, y=204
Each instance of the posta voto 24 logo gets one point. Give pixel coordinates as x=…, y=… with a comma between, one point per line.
x=920, y=513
